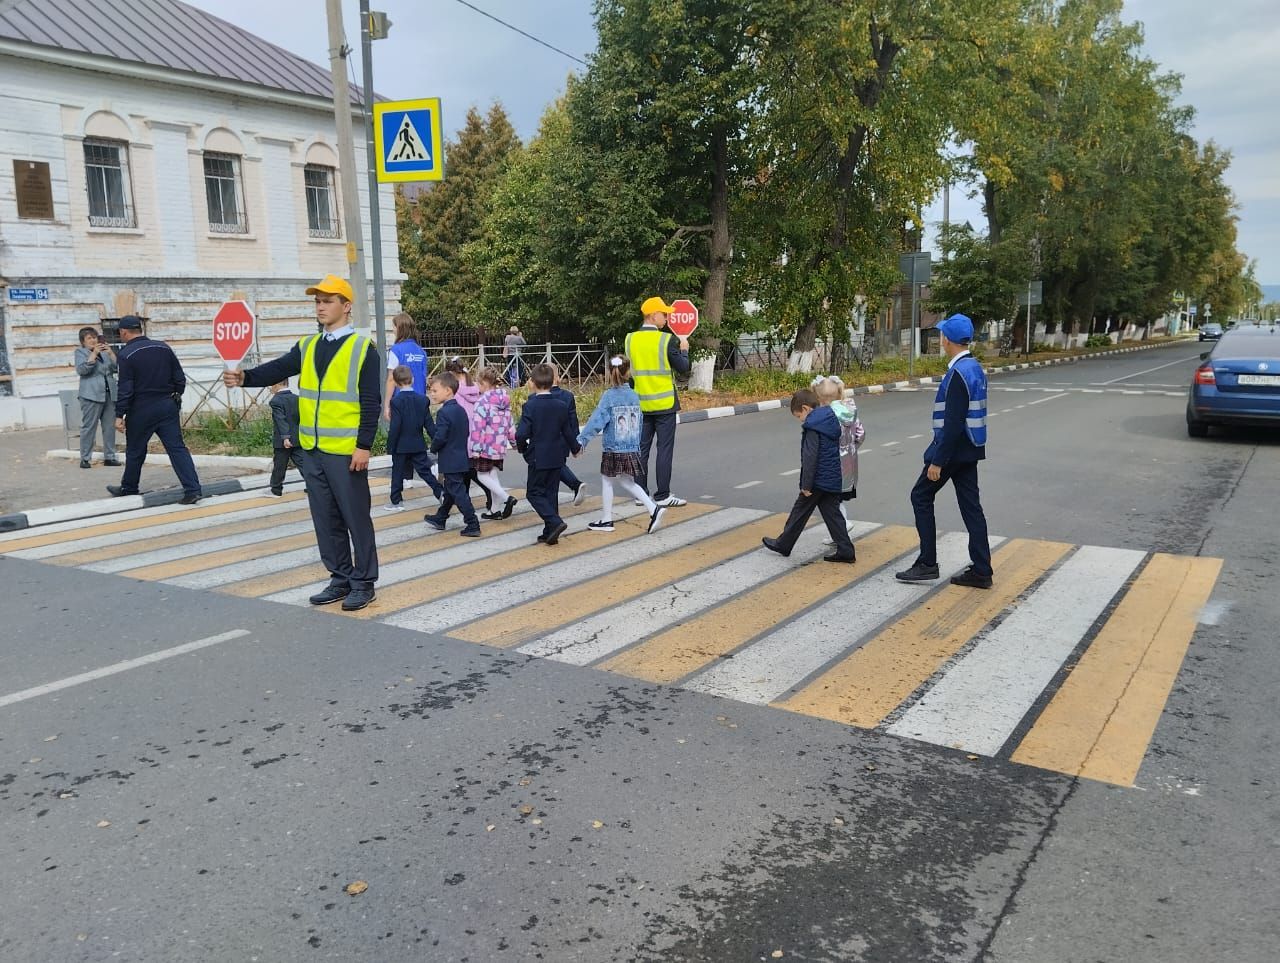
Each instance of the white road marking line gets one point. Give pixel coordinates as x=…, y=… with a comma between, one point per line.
x=1134, y=374
x=890, y=444
x=1043, y=400
x=914, y=437
x=793, y=471
x=750, y=484
x=764, y=670
x=593, y=638
x=505, y=593
x=208, y=545
x=978, y=703
x=39, y=690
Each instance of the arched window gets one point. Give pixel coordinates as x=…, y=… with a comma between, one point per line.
x=106, y=172
x=224, y=183
x=320, y=177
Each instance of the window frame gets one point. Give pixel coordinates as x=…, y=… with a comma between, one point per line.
x=330, y=201
x=96, y=169
x=233, y=182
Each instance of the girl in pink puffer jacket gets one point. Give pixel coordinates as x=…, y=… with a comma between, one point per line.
x=492, y=432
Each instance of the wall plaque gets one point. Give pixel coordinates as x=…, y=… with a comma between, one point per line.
x=35, y=193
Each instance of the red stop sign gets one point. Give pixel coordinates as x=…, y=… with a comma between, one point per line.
x=684, y=318
x=233, y=328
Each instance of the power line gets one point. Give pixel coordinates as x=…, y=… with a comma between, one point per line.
x=485, y=13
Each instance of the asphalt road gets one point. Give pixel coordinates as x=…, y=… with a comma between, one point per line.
x=213, y=805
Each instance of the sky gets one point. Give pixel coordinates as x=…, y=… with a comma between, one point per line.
x=1225, y=50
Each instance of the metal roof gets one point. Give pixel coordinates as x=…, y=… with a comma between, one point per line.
x=167, y=34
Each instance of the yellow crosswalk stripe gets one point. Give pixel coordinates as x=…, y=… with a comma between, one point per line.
x=1100, y=722
x=686, y=648
x=866, y=686
x=514, y=626
x=417, y=591
x=267, y=546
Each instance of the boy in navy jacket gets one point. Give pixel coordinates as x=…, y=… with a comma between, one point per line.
x=284, y=435
x=546, y=432
x=410, y=418
x=820, y=479
x=449, y=445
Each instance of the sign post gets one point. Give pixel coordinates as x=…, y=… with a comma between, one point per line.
x=234, y=329
x=1034, y=295
x=684, y=318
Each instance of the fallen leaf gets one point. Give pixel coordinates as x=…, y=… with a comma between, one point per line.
x=356, y=888
x=733, y=725
x=490, y=828
x=66, y=794
x=722, y=718
x=971, y=756
x=525, y=781
x=50, y=738
x=596, y=824
x=869, y=767
x=103, y=823
x=34, y=759
x=838, y=821
x=536, y=822
x=776, y=954
x=681, y=741
x=81, y=937
x=525, y=810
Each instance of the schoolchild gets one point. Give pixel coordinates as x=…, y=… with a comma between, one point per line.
x=819, y=479
x=467, y=396
x=617, y=415
x=830, y=392
x=546, y=433
x=449, y=444
x=410, y=419
x=492, y=432
x=567, y=477
x=284, y=435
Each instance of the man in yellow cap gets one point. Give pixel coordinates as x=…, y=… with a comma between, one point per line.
x=339, y=400
x=656, y=356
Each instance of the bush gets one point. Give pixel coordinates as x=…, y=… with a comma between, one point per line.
x=1097, y=341
x=1041, y=348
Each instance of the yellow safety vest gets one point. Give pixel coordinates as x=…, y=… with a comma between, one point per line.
x=647, y=349
x=329, y=410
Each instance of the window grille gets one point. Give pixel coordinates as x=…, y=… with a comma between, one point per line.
x=322, y=207
x=106, y=169
x=224, y=191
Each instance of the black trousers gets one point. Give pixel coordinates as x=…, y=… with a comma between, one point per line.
x=455, y=493
x=281, y=459
x=828, y=503
x=541, y=492
x=339, y=499
x=156, y=415
x=663, y=425
x=964, y=478
x=404, y=465
x=567, y=477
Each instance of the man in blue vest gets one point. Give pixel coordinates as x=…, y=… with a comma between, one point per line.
x=959, y=443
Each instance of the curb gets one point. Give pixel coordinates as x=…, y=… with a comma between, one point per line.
x=728, y=411
x=170, y=496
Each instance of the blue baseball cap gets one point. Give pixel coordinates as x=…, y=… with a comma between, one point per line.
x=957, y=328
x=131, y=321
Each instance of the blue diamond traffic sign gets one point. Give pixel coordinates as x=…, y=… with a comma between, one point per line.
x=408, y=140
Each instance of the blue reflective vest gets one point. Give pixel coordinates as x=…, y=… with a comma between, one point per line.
x=970, y=371
x=412, y=356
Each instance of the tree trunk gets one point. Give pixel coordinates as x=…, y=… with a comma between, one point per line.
x=713, y=292
x=989, y=208
x=801, y=357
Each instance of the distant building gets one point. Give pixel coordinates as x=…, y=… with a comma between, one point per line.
x=157, y=160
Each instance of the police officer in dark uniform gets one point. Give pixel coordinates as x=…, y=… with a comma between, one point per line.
x=148, y=403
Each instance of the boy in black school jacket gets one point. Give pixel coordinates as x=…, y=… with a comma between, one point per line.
x=546, y=434
x=449, y=444
x=284, y=435
x=410, y=418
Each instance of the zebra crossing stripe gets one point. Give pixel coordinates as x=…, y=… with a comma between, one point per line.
x=1100, y=722
x=588, y=640
x=779, y=661
x=978, y=703
x=864, y=688
x=574, y=604
x=456, y=601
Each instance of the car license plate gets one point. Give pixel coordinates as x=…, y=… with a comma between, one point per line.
x=1267, y=379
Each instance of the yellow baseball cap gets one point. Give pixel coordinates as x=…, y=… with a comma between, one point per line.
x=654, y=305
x=332, y=284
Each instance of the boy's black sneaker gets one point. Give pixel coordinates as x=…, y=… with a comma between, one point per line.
x=604, y=525
x=837, y=557
x=357, y=599
x=919, y=572
x=656, y=519
x=971, y=579
x=471, y=531
x=580, y=494
x=117, y=491
x=332, y=593
x=772, y=545
x=434, y=522
x=278, y=492
x=553, y=536
x=190, y=499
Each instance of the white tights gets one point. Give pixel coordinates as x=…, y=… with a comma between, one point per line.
x=489, y=479
x=628, y=485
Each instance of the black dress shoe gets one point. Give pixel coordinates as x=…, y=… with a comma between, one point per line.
x=113, y=463
x=470, y=531
x=492, y=516
x=837, y=557
x=117, y=491
x=772, y=545
x=357, y=599
x=971, y=579
x=919, y=572
x=553, y=536
x=509, y=507
x=84, y=463
x=331, y=594
x=190, y=499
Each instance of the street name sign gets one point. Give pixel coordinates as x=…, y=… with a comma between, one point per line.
x=408, y=141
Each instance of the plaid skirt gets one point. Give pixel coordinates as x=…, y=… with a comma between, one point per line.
x=615, y=463
x=484, y=464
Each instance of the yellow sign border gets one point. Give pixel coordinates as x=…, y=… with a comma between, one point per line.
x=437, y=146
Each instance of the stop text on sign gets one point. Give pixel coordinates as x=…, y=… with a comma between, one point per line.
x=232, y=330
x=683, y=320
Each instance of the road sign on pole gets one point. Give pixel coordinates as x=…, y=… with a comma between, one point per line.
x=233, y=332
x=408, y=140
x=684, y=318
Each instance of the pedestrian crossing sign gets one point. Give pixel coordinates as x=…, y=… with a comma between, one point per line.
x=408, y=140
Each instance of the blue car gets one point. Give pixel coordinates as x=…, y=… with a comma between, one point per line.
x=1238, y=382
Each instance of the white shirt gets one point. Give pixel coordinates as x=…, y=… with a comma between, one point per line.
x=952, y=363
x=341, y=332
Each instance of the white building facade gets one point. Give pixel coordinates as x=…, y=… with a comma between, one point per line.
x=131, y=187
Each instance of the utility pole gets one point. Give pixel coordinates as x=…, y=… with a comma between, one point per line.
x=371, y=163
x=338, y=51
